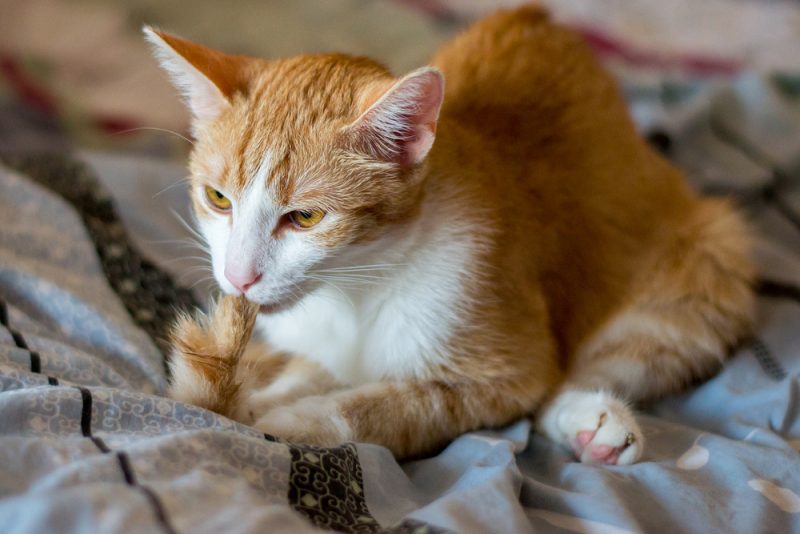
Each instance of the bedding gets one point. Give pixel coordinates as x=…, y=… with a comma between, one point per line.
x=89, y=443
x=95, y=260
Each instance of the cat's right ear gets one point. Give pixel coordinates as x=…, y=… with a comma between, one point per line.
x=400, y=126
x=206, y=78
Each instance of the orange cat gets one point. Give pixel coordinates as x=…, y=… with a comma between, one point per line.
x=482, y=239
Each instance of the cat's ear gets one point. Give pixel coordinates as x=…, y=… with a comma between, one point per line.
x=400, y=126
x=207, y=78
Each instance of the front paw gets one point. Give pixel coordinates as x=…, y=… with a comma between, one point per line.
x=253, y=406
x=307, y=422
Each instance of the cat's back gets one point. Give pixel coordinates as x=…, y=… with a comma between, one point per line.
x=518, y=75
x=532, y=114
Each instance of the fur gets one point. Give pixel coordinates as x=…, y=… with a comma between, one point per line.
x=497, y=242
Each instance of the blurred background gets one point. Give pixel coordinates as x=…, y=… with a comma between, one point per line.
x=84, y=64
x=714, y=84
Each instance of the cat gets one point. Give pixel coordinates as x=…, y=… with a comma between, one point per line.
x=483, y=239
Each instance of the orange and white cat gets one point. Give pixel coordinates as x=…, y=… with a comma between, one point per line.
x=480, y=240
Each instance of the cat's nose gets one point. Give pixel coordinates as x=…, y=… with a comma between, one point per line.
x=242, y=279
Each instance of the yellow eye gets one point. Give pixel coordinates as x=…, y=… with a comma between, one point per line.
x=217, y=199
x=306, y=218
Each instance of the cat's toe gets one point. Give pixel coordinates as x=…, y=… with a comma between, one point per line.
x=305, y=423
x=254, y=405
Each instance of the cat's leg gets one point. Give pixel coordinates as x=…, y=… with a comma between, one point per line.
x=409, y=418
x=214, y=364
x=692, y=308
x=643, y=353
x=206, y=352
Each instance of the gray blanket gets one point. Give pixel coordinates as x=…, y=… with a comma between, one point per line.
x=89, y=443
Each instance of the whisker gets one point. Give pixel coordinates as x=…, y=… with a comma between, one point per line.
x=204, y=259
x=184, y=241
x=189, y=227
x=189, y=264
x=298, y=302
x=207, y=280
x=377, y=266
x=198, y=269
x=165, y=130
x=183, y=245
x=355, y=276
x=209, y=276
x=351, y=278
x=171, y=186
x=347, y=284
x=334, y=286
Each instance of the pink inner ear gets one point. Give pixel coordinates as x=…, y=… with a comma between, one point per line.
x=401, y=126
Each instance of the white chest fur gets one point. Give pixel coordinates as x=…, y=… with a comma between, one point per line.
x=397, y=328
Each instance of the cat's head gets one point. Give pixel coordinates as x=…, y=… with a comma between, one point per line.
x=300, y=164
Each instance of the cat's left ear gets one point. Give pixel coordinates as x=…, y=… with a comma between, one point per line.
x=400, y=126
x=206, y=78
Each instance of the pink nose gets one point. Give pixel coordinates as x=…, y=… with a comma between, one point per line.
x=242, y=279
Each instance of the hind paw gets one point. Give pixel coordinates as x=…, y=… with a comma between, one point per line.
x=599, y=428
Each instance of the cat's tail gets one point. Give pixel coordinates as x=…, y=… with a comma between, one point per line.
x=206, y=354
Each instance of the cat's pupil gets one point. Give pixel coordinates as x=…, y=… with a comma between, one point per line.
x=305, y=214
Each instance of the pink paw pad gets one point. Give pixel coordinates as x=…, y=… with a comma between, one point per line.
x=584, y=437
x=586, y=451
x=599, y=428
x=605, y=454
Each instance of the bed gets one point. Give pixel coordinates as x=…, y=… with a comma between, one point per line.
x=93, y=268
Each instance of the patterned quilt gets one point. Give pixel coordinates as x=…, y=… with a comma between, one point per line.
x=92, y=268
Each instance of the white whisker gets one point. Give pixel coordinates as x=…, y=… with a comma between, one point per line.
x=349, y=276
x=204, y=259
x=334, y=286
x=171, y=186
x=185, y=242
x=373, y=267
x=190, y=274
x=189, y=227
x=206, y=280
x=165, y=130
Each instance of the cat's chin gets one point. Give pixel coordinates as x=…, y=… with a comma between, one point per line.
x=283, y=300
x=270, y=308
x=275, y=307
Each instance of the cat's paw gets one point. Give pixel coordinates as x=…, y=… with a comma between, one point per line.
x=309, y=422
x=598, y=427
x=253, y=406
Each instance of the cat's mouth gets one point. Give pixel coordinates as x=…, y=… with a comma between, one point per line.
x=278, y=300
x=272, y=307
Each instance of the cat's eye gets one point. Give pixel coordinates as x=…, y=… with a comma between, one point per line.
x=306, y=218
x=217, y=199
